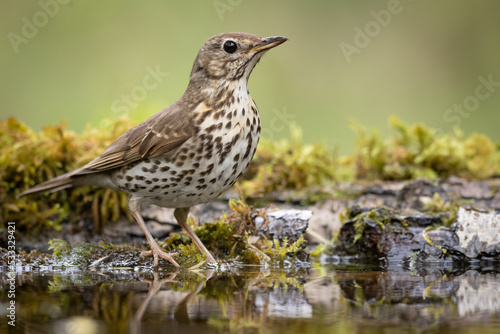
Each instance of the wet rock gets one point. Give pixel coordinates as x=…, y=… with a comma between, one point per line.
x=408, y=196
x=209, y=211
x=421, y=219
x=385, y=234
x=281, y=224
x=478, y=232
x=325, y=220
x=395, y=232
x=415, y=194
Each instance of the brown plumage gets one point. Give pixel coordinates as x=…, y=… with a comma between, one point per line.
x=191, y=151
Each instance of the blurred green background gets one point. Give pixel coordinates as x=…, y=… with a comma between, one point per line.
x=362, y=60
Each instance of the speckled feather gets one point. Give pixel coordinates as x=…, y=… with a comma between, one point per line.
x=206, y=164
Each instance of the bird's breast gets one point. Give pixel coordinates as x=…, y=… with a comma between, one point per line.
x=228, y=137
x=208, y=163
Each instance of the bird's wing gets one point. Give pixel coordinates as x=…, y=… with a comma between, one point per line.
x=159, y=135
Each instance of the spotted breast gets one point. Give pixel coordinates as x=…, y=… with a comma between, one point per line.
x=226, y=134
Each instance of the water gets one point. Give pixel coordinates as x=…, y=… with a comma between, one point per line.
x=321, y=299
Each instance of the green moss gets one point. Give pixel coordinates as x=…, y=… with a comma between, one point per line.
x=80, y=254
x=447, y=210
x=289, y=164
x=59, y=247
x=318, y=250
x=28, y=158
x=281, y=252
x=233, y=239
x=375, y=217
x=418, y=151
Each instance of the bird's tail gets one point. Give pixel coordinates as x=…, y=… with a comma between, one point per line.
x=58, y=183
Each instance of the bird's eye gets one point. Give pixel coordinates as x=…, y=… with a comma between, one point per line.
x=230, y=46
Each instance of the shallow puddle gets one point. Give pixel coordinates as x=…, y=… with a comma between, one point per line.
x=322, y=299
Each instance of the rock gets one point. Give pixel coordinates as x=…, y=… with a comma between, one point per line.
x=478, y=232
x=470, y=189
x=417, y=193
x=158, y=230
x=325, y=220
x=203, y=213
x=383, y=234
x=124, y=230
x=380, y=194
x=209, y=211
x=158, y=214
x=290, y=224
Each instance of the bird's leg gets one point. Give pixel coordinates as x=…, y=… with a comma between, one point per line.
x=181, y=215
x=134, y=207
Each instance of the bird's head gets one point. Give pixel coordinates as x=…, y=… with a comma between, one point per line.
x=231, y=56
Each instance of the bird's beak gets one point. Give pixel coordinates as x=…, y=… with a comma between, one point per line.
x=269, y=43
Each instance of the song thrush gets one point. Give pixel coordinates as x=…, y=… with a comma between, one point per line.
x=192, y=151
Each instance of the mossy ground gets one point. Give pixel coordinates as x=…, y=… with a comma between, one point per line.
x=413, y=151
x=232, y=239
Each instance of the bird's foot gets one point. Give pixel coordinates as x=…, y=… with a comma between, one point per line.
x=156, y=252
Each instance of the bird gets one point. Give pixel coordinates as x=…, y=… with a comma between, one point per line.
x=191, y=151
